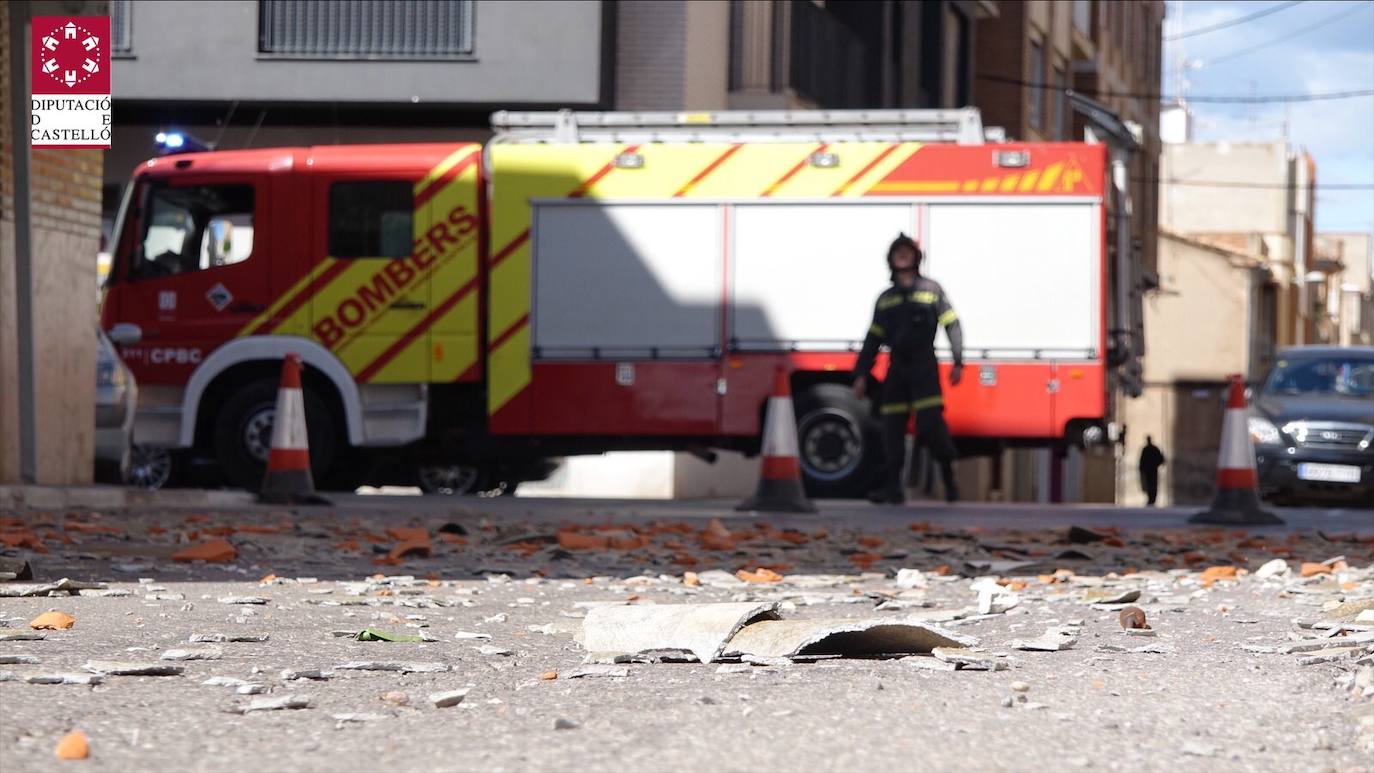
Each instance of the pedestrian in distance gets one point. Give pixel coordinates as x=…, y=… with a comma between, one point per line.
x=905, y=319
x=1151, y=458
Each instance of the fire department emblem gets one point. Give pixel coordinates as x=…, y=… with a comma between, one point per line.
x=219, y=296
x=70, y=54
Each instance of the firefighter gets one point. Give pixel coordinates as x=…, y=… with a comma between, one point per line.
x=905, y=319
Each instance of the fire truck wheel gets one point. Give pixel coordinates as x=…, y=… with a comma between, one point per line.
x=839, y=442
x=243, y=433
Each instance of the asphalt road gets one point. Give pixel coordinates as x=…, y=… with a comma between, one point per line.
x=1202, y=702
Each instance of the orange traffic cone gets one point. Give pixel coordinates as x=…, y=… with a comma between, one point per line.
x=288, y=480
x=1237, y=500
x=780, y=486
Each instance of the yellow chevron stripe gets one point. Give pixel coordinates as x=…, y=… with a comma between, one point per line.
x=282, y=299
x=508, y=369
x=1051, y=176
x=442, y=168
x=881, y=169
x=917, y=186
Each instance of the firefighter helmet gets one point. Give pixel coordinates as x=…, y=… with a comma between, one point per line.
x=903, y=240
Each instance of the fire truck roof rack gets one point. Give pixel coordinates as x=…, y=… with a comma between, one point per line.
x=963, y=126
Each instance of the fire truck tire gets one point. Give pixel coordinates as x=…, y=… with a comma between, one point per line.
x=839, y=442
x=243, y=433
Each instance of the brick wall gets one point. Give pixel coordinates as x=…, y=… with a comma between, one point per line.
x=64, y=196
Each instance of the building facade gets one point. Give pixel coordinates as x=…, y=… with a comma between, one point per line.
x=1237, y=280
x=1347, y=296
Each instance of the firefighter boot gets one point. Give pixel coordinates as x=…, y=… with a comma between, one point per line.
x=951, y=488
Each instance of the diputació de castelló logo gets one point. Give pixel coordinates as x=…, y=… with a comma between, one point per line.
x=70, y=82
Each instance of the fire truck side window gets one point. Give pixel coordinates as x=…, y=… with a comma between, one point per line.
x=194, y=228
x=371, y=219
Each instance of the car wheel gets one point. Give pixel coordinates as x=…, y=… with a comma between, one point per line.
x=450, y=479
x=150, y=467
x=839, y=444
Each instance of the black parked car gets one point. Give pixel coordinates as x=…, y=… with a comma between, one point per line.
x=1313, y=425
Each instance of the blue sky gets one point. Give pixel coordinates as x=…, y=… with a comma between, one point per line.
x=1336, y=57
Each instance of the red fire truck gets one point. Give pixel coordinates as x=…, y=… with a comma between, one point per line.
x=587, y=282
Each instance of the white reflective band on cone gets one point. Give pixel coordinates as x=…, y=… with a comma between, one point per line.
x=780, y=428
x=1236, y=451
x=288, y=428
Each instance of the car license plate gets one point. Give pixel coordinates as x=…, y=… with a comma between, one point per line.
x=1329, y=473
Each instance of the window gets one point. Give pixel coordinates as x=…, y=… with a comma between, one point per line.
x=1035, y=115
x=342, y=29
x=1061, y=84
x=1083, y=17
x=121, y=28
x=193, y=229
x=371, y=219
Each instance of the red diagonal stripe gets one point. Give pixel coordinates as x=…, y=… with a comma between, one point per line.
x=303, y=297
x=410, y=335
x=447, y=177
x=790, y=172
x=600, y=173
x=709, y=169
x=508, y=332
x=867, y=167
x=510, y=248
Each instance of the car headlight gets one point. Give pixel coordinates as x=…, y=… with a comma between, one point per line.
x=108, y=374
x=1263, y=432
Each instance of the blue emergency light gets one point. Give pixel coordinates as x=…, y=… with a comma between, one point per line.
x=178, y=142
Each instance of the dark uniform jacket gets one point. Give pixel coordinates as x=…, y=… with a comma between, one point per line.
x=906, y=319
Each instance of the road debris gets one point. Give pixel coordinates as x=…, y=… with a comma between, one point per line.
x=216, y=551
x=448, y=699
x=563, y=723
x=121, y=668
x=248, y=600
x=73, y=746
x=279, y=703
x=17, y=634
x=392, y=665
x=701, y=630
x=841, y=637
x=17, y=660
x=86, y=679
x=965, y=659
x=312, y=674
x=374, y=634
x=1133, y=618
x=1053, y=640
x=209, y=653
x=211, y=638
x=53, y=621
x=594, y=671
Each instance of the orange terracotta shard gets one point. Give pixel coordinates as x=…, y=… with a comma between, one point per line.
x=215, y=551
x=73, y=746
x=1310, y=569
x=53, y=621
x=1213, y=573
x=407, y=534
x=412, y=549
x=762, y=574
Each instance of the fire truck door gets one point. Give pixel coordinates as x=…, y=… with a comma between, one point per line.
x=193, y=275
x=378, y=299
